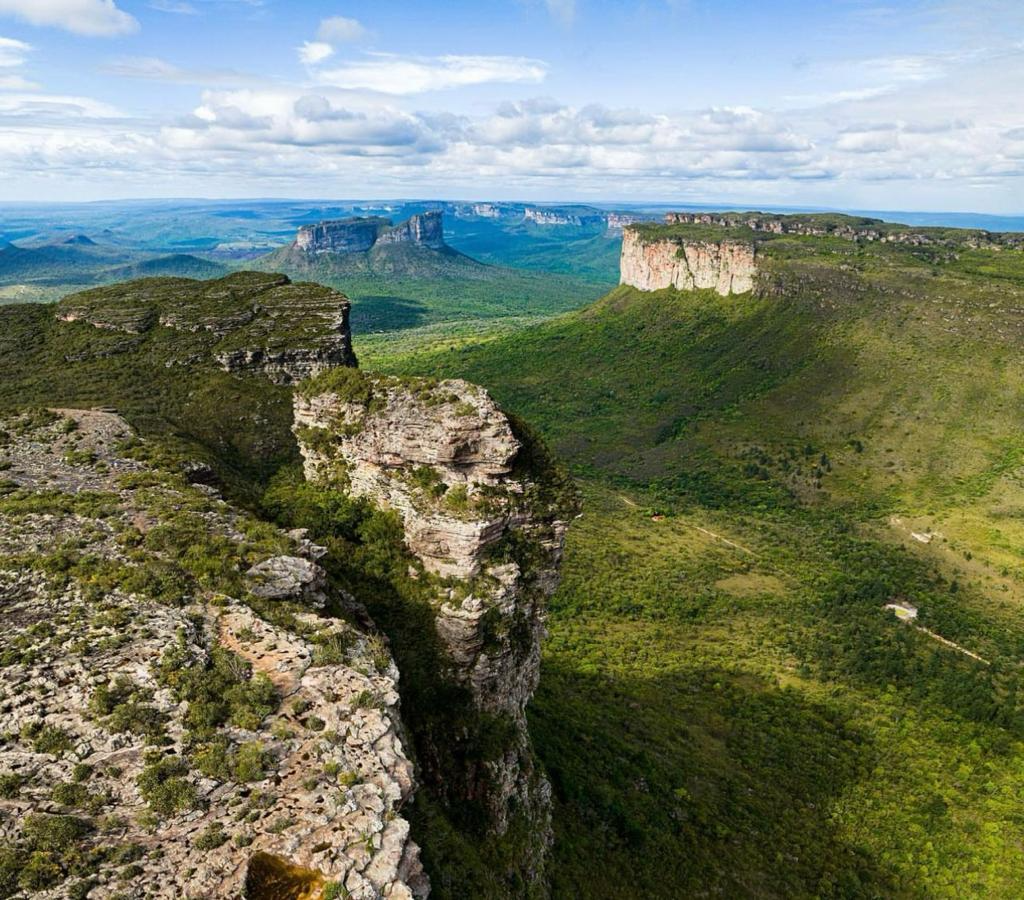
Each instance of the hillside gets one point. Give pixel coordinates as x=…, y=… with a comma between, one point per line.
x=250, y=671
x=176, y=356
x=405, y=277
x=176, y=265
x=724, y=696
x=67, y=261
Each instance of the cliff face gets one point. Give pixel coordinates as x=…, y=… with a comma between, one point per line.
x=218, y=732
x=616, y=222
x=554, y=217
x=488, y=531
x=360, y=235
x=343, y=236
x=727, y=266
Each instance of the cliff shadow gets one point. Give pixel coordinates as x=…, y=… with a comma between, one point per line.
x=698, y=783
x=381, y=312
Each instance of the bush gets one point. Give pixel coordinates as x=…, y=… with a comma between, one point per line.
x=249, y=762
x=164, y=785
x=211, y=837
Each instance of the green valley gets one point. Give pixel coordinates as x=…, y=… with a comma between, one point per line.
x=726, y=707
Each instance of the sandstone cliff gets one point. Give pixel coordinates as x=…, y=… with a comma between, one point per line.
x=486, y=520
x=542, y=216
x=650, y=264
x=359, y=235
x=180, y=719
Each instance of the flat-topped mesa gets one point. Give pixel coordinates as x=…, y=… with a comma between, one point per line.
x=358, y=235
x=485, y=513
x=244, y=322
x=652, y=263
x=850, y=228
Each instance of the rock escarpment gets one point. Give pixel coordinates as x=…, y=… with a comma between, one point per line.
x=616, y=222
x=179, y=718
x=541, y=216
x=358, y=235
x=485, y=515
x=246, y=322
x=652, y=263
x=849, y=228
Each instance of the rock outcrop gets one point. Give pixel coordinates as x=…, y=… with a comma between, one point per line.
x=616, y=222
x=541, y=216
x=485, y=517
x=358, y=235
x=245, y=322
x=653, y=263
x=164, y=735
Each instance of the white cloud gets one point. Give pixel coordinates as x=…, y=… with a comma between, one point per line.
x=12, y=55
x=313, y=52
x=340, y=30
x=389, y=74
x=880, y=133
x=98, y=18
x=13, y=52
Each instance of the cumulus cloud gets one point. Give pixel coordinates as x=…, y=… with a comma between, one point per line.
x=358, y=123
x=96, y=18
x=312, y=52
x=340, y=30
x=390, y=74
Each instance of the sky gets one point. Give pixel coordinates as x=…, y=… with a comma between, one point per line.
x=879, y=104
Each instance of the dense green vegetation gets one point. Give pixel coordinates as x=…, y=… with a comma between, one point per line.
x=726, y=708
x=587, y=252
x=398, y=287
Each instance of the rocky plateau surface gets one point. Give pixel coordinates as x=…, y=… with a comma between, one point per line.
x=178, y=715
x=247, y=321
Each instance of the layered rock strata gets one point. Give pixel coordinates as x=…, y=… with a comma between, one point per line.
x=485, y=521
x=727, y=266
x=358, y=235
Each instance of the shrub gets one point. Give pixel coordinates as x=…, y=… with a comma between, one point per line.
x=10, y=785
x=164, y=786
x=211, y=837
x=249, y=762
x=52, y=740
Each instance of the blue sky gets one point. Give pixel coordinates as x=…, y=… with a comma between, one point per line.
x=905, y=104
